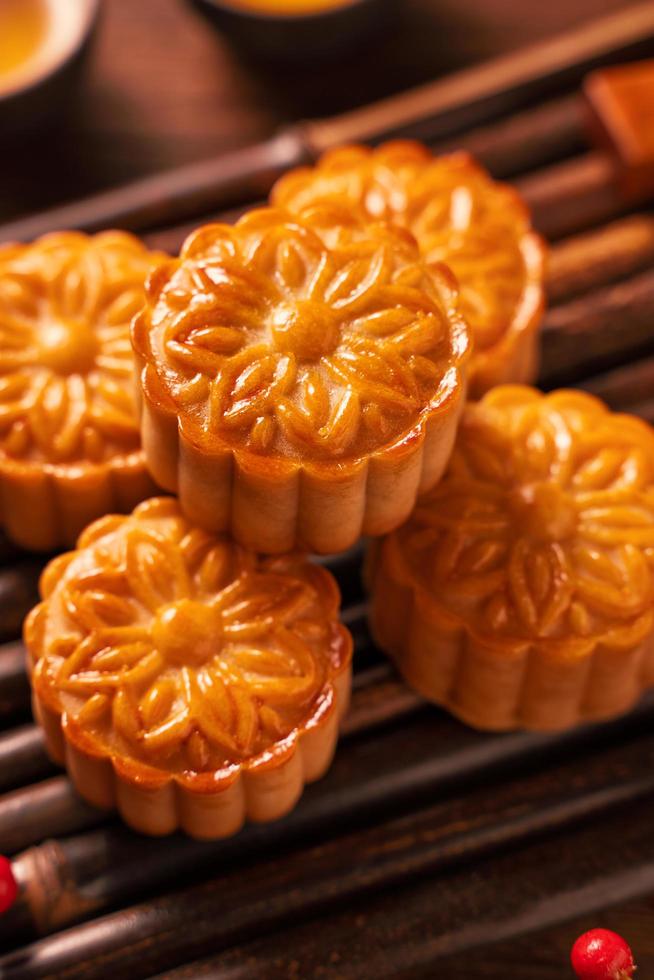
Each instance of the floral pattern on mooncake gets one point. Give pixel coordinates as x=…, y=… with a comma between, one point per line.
x=481, y=229
x=537, y=548
x=291, y=342
x=179, y=654
x=67, y=410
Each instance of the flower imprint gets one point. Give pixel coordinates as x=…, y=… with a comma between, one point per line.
x=543, y=528
x=459, y=216
x=303, y=336
x=66, y=375
x=179, y=648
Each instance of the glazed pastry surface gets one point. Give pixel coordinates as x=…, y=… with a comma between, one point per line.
x=544, y=527
x=70, y=445
x=66, y=377
x=521, y=590
x=181, y=650
x=302, y=377
x=306, y=338
x=459, y=216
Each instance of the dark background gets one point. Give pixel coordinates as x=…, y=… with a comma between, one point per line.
x=161, y=88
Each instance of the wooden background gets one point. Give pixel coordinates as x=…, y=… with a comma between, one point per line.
x=161, y=89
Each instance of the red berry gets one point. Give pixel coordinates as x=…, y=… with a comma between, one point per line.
x=602, y=955
x=8, y=886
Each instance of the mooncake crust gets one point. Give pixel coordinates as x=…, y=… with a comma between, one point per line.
x=520, y=593
x=69, y=436
x=183, y=680
x=301, y=377
x=460, y=216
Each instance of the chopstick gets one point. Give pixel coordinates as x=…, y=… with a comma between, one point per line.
x=438, y=111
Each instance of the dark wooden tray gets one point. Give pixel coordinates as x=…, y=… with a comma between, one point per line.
x=426, y=841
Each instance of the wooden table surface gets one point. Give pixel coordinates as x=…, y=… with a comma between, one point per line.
x=162, y=88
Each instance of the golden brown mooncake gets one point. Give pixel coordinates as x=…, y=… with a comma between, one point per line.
x=183, y=679
x=302, y=377
x=69, y=436
x=459, y=216
x=521, y=591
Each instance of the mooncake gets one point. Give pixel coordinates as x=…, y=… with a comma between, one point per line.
x=520, y=592
x=69, y=434
x=184, y=680
x=459, y=216
x=302, y=377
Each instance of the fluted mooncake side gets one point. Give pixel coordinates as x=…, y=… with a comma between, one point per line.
x=184, y=680
x=521, y=591
x=302, y=377
x=480, y=228
x=69, y=436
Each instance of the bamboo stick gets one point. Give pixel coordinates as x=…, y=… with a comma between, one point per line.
x=283, y=889
x=425, y=927
x=573, y=195
x=496, y=88
x=589, y=334
x=18, y=593
x=625, y=389
x=438, y=111
x=193, y=189
x=564, y=197
x=51, y=806
x=595, y=259
x=520, y=143
x=526, y=140
x=23, y=758
x=14, y=686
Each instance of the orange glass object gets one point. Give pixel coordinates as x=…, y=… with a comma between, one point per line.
x=621, y=100
x=23, y=31
x=183, y=679
x=288, y=8
x=459, y=216
x=302, y=377
x=521, y=591
x=69, y=436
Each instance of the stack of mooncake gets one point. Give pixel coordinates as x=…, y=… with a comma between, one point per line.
x=298, y=381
